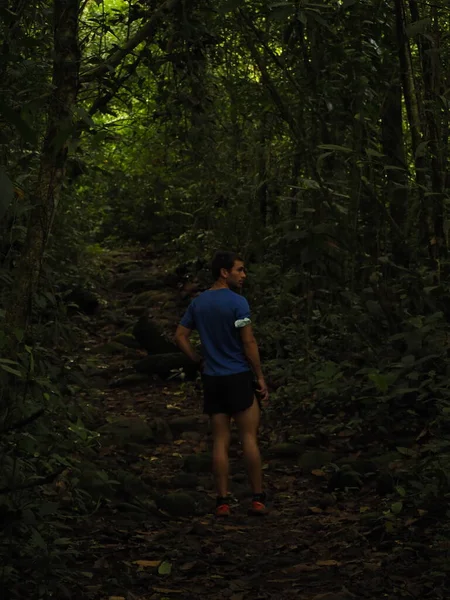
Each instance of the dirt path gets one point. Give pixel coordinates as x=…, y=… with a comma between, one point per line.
x=156, y=538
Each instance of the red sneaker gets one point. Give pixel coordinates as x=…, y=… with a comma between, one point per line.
x=223, y=510
x=257, y=509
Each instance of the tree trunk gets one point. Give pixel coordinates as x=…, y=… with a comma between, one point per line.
x=52, y=162
x=295, y=173
x=413, y=111
x=262, y=192
x=428, y=49
x=393, y=148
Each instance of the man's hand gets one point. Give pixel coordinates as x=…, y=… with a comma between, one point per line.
x=199, y=361
x=182, y=341
x=262, y=390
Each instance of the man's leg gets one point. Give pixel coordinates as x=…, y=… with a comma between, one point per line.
x=220, y=425
x=247, y=422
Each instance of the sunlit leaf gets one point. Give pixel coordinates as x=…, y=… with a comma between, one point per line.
x=328, y=563
x=165, y=568
x=148, y=563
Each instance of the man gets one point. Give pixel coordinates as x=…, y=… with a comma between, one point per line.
x=222, y=318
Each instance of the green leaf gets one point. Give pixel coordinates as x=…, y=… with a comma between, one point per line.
x=322, y=157
x=302, y=17
x=420, y=150
x=316, y=16
x=417, y=27
x=62, y=136
x=281, y=11
x=63, y=542
x=408, y=360
x=310, y=184
x=99, y=137
x=6, y=192
x=380, y=381
x=405, y=451
x=397, y=507
x=374, y=153
x=37, y=540
x=342, y=209
x=230, y=6
x=8, y=15
x=84, y=116
x=336, y=148
x=15, y=119
x=10, y=370
x=165, y=568
x=393, y=168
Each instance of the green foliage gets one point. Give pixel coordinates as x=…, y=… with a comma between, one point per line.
x=382, y=378
x=287, y=132
x=40, y=429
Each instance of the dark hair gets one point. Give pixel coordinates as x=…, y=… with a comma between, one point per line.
x=223, y=260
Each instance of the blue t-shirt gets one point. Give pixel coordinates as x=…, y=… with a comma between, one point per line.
x=218, y=316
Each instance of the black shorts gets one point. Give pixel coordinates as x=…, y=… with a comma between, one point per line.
x=228, y=394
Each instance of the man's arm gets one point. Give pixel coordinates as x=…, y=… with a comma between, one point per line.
x=251, y=352
x=184, y=344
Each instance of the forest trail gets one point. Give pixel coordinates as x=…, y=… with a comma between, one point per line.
x=155, y=537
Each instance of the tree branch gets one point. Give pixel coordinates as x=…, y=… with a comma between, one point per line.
x=267, y=81
x=275, y=59
x=102, y=100
x=145, y=32
x=285, y=112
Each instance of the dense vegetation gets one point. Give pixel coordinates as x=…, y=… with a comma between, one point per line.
x=311, y=137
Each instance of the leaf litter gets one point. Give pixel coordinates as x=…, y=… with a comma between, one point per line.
x=303, y=550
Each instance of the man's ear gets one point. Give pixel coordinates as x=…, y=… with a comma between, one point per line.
x=224, y=273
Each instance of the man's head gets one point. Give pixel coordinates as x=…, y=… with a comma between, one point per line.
x=229, y=268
